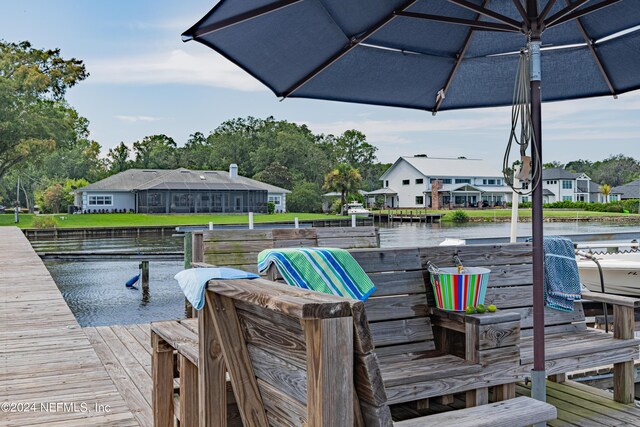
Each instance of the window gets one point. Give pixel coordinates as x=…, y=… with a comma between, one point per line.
x=101, y=200
x=275, y=200
x=525, y=185
x=567, y=184
x=406, y=181
x=419, y=181
x=525, y=199
x=566, y=198
x=489, y=181
x=463, y=181
x=420, y=200
x=446, y=181
x=386, y=184
x=498, y=182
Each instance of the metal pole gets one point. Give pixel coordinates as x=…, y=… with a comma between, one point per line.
x=515, y=200
x=538, y=375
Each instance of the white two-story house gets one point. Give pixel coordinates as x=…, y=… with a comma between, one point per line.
x=559, y=185
x=463, y=182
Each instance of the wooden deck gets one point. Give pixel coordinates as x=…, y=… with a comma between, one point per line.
x=126, y=350
x=49, y=372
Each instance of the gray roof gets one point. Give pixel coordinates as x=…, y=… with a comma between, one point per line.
x=449, y=167
x=630, y=190
x=559, y=173
x=178, y=179
x=382, y=191
x=547, y=192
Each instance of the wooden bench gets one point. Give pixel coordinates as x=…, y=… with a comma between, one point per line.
x=292, y=356
x=570, y=344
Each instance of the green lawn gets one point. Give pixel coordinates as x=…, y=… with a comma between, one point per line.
x=133, y=220
x=503, y=213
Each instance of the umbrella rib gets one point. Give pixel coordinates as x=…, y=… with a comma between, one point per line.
x=522, y=12
x=546, y=11
x=237, y=19
x=564, y=12
x=352, y=44
x=582, y=12
x=475, y=24
x=441, y=95
x=488, y=13
x=596, y=57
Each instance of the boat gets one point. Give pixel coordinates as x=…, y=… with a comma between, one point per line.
x=621, y=272
x=356, y=208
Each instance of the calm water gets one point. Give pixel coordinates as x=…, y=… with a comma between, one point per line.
x=96, y=293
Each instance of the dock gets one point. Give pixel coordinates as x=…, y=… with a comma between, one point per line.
x=126, y=349
x=50, y=375
x=96, y=376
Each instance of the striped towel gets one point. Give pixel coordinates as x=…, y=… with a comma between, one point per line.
x=328, y=270
x=561, y=279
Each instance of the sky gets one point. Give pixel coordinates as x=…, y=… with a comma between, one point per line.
x=144, y=80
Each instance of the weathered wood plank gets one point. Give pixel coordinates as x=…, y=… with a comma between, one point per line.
x=479, y=255
x=401, y=331
x=212, y=374
x=329, y=371
x=236, y=356
x=517, y=412
x=398, y=283
x=282, y=298
x=288, y=378
x=162, y=371
x=396, y=307
x=380, y=260
x=188, y=393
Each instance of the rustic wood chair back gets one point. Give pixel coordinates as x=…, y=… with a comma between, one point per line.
x=510, y=282
x=240, y=248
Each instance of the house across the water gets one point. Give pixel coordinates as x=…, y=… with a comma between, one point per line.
x=435, y=182
x=180, y=191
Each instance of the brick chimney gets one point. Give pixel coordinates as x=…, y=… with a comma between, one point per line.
x=435, y=195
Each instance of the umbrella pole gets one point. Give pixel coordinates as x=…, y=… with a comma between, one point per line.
x=538, y=375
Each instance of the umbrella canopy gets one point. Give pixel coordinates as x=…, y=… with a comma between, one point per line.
x=436, y=55
x=403, y=53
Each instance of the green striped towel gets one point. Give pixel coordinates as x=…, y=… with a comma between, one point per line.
x=328, y=270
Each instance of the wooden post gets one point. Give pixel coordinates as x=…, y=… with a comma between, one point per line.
x=197, y=247
x=477, y=397
x=162, y=372
x=212, y=382
x=329, y=371
x=144, y=266
x=188, y=255
x=188, y=393
x=504, y=392
x=623, y=385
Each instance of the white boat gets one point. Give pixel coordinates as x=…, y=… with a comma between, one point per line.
x=356, y=208
x=621, y=272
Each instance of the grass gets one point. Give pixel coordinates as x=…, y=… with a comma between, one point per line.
x=136, y=220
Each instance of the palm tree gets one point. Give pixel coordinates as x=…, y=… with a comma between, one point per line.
x=605, y=189
x=344, y=179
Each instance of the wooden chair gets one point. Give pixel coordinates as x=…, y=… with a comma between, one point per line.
x=570, y=344
x=295, y=358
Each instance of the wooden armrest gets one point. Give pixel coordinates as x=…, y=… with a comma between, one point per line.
x=611, y=299
x=297, y=302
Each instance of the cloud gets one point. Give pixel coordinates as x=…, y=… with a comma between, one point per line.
x=172, y=67
x=133, y=119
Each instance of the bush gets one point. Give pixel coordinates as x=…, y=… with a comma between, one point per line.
x=630, y=205
x=305, y=197
x=44, y=221
x=271, y=208
x=459, y=216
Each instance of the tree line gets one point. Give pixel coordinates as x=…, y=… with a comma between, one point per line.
x=46, y=152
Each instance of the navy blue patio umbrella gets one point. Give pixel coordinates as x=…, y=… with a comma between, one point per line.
x=436, y=55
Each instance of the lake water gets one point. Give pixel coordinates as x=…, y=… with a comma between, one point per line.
x=96, y=294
